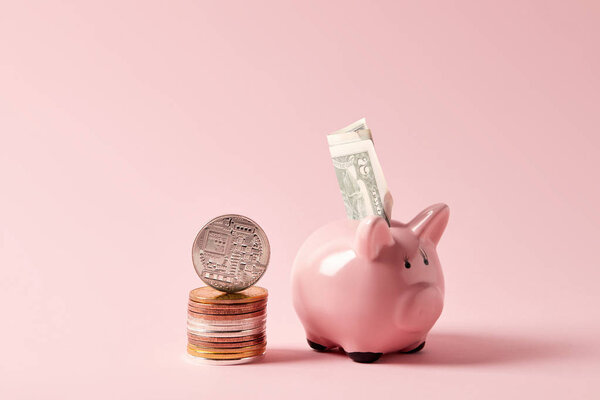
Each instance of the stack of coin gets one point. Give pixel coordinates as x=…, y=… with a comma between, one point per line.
x=226, y=328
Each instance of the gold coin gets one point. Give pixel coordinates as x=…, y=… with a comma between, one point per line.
x=208, y=295
x=204, y=350
x=226, y=356
x=224, y=345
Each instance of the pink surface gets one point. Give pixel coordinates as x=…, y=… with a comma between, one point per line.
x=126, y=126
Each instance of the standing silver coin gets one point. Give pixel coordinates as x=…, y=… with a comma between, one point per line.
x=231, y=253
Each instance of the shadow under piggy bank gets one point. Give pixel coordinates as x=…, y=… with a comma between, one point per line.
x=447, y=349
x=466, y=349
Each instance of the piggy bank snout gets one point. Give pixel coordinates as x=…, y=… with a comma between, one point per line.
x=419, y=307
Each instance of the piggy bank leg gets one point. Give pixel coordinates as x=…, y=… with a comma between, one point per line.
x=319, y=343
x=316, y=346
x=361, y=357
x=415, y=350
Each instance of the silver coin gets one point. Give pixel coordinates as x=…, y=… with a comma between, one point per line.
x=240, y=333
x=206, y=361
x=235, y=322
x=231, y=253
x=199, y=330
x=223, y=328
x=232, y=328
x=209, y=330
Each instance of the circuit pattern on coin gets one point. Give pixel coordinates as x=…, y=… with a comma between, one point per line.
x=230, y=253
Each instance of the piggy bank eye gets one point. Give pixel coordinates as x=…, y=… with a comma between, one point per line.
x=406, y=264
x=425, y=258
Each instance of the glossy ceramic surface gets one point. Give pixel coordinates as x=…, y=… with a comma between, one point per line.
x=367, y=287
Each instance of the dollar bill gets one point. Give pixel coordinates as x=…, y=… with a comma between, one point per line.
x=358, y=171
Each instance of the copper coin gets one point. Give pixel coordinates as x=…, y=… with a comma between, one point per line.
x=228, y=317
x=226, y=309
x=223, y=317
x=226, y=345
x=211, y=317
x=211, y=339
x=227, y=356
x=208, y=295
x=226, y=351
x=193, y=318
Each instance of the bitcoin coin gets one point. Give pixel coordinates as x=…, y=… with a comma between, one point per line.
x=230, y=253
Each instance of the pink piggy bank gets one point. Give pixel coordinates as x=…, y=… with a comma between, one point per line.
x=368, y=288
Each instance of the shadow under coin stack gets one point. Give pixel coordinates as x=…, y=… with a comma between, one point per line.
x=226, y=328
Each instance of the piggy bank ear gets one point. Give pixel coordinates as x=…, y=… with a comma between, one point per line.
x=431, y=222
x=372, y=235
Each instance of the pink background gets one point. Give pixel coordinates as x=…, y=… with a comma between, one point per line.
x=126, y=126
